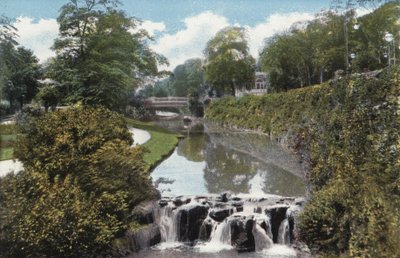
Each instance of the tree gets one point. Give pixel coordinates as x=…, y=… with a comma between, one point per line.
x=312, y=53
x=105, y=55
x=19, y=68
x=228, y=62
x=20, y=71
x=187, y=78
x=8, y=33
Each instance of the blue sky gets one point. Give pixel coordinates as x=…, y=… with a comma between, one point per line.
x=181, y=27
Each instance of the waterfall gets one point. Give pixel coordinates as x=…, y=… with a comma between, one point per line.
x=261, y=239
x=284, y=233
x=220, y=238
x=269, y=226
x=168, y=220
x=197, y=223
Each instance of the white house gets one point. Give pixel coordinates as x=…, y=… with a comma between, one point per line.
x=260, y=86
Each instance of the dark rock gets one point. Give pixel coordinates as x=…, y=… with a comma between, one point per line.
x=177, y=202
x=188, y=200
x=143, y=238
x=191, y=219
x=163, y=203
x=143, y=212
x=300, y=201
x=220, y=205
x=205, y=230
x=225, y=197
x=277, y=213
x=242, y=236
x=239, y=209
x=220, y=214
x=236, y=198
x=237, y=204
x=257, y=210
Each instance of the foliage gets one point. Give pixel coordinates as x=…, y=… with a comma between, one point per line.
x=82, y=178
x=195, y=106
x=348, y=132
x=48, y=96
x=19, y=71
x=8, y=32
x=102, y=54
x=187, y=78
x=39, y=218
x=229, y=64
x=311, y=52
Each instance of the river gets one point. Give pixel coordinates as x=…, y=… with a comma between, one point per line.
x=255, y=171
x=212, y=161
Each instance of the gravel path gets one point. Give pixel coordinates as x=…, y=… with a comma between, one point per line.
x=139, y=136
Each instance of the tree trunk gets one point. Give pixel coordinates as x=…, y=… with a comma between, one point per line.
x=233, y=88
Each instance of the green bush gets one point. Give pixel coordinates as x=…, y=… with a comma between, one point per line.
x=348, y=131
x=82, y=178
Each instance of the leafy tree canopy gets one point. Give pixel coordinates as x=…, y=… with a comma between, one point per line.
x=229, y=64
x=311, y=53
x=101, y=55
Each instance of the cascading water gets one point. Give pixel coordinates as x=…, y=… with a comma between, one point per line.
x=167, y=219
x=220, y=238
x=212, y=224
x=267, y=221
x=261, y=239
x=284, y=233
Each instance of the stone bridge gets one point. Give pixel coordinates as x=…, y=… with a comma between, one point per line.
x=174, y=102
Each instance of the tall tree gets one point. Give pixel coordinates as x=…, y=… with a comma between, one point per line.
x=187, y=77
x=312, y=53
x=104, y=53
x=229, y=64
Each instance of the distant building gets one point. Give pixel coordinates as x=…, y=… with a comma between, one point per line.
x=260, y=86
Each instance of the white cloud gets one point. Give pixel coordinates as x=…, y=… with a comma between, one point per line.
x=37, y=36
x=273, y=24
x=153, y=27
x=363, y=11
x=190, y=42
x=177, y=47
x=199, y=29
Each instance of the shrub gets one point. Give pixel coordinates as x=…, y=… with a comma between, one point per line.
x=82, y=178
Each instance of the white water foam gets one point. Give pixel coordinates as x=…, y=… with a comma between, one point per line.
x=261, y=239
x=284, y=234
x=220, y=239
x=281, y=251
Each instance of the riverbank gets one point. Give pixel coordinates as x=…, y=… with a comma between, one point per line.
x=347, y=130
x=161, y=144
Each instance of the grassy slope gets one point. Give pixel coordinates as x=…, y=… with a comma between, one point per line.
x=160, y=145
x=7, y=138
x=350, y=129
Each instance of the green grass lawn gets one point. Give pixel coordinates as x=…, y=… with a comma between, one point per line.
x=161, y=143
x=7, y=139
x=6, y=153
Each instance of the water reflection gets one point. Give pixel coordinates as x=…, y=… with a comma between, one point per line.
x=240, y=163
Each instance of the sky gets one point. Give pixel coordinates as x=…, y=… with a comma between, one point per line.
x=181, y=28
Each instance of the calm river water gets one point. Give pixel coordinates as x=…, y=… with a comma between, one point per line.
x=214, y=161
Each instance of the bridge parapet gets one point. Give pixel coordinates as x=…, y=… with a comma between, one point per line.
x=155, y=102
